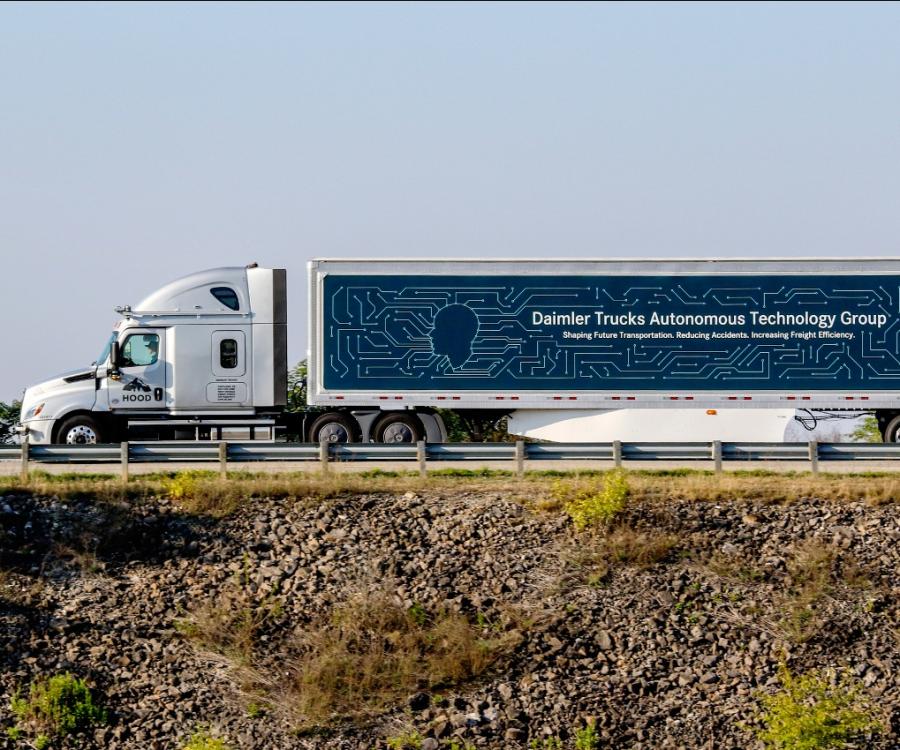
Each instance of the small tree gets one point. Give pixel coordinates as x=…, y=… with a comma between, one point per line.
x=867, y=431
x=475, y=426
x=9, y=417
x=296, y=395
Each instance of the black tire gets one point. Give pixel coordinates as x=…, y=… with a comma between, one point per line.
x=80, y=429
x=334, y=427
x=892, y=430
x=398, y=428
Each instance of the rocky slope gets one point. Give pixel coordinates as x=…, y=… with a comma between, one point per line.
x=664, y=633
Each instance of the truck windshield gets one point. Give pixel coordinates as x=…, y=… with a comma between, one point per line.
x=105, y=353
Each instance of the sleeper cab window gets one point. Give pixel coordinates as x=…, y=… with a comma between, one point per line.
x=228, y=354
x=227, y=296
x=140, y=350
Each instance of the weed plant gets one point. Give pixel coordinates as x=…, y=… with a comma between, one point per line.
x=54, y=708
x=406, y=741
x=586, y=737
x=596, y=504
x=811, y=712
x=203, y=740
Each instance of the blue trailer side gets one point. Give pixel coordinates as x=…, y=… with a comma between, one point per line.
x=610, y=333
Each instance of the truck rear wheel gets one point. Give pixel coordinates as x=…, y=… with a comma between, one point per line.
x=891, y=432
x=81, y=429
x=334, y=427
x=398, y=428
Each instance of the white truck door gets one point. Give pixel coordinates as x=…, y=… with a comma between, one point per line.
x=230, y=374
x=142, y=364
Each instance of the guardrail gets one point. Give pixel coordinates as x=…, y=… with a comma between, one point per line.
x=422, y=453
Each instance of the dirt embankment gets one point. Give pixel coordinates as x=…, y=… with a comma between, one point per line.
x=452, y=615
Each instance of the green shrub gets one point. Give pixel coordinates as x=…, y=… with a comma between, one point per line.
x=595, y=505
x=405, y=741
x=586, y=738
x=548, y=743
x=811, y=713
x=186, y=484
x=867, y=431
x=202, y=740
x=55, y=707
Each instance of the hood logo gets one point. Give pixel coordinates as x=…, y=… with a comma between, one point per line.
x=137, y=384
x=137, y=390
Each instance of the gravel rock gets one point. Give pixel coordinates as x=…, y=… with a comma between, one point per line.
x=669, y=655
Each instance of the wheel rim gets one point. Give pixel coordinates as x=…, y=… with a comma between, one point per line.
x=334, y=432
x=398, y=433
x=81, y=435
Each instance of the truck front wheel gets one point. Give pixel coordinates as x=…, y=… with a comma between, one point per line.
x=80, y=429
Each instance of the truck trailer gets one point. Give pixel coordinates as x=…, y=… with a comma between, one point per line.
x=573, y=350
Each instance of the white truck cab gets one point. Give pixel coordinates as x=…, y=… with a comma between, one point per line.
x=202, y=353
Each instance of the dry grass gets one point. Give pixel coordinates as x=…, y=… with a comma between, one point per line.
x=232, y=625
x=594, y=557
x=203, y=492
x=19, y=589
x=735, y=568
x=627, y=546
x=371, y=653
x=811, y=570
x=82, y=557
x=364, y=656
x=776, y=488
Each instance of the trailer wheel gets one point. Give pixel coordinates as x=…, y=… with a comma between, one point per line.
x=892, y=431
x=334, y=427
x=398, y=428
x=81, y=429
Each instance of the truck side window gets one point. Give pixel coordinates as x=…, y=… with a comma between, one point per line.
x=228, y=354
x=140, y=350
x=226, y=296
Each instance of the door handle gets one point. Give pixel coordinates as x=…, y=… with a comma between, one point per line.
x=157, y=394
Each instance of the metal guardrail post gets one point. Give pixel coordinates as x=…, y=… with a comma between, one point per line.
x=323, y=455
x=717, y=456
x=617, y=454
x=123, y=453
x=814, y=457
x=223, y=460
x=23, y=472
x=520, y=458
x=422, y=458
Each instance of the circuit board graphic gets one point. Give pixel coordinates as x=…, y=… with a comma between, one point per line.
x=443, y=333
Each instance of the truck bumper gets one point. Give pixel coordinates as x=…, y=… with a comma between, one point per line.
x=37, y=430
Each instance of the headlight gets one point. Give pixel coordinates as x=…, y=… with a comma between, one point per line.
x=35, y=410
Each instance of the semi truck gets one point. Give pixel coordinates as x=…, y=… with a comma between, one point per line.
x=570, y=350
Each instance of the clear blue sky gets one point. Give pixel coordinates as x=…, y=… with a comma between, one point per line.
x=142, y=142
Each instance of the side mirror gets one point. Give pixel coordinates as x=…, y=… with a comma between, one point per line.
x=113, y=371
